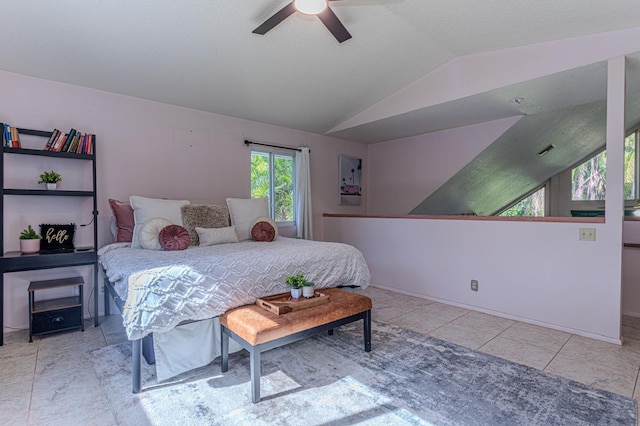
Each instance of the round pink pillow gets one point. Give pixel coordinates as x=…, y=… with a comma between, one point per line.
x=174, y=237
x=264, y=229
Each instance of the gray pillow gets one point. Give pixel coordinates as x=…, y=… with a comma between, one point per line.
x=203, y=216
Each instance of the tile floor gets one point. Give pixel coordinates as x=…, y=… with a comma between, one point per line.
x=50, y=381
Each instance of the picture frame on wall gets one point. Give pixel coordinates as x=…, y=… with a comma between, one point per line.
x=350, y=180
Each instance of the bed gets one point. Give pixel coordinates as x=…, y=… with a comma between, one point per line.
x=161, y=292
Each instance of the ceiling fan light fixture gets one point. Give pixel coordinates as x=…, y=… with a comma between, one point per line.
x=310, y=7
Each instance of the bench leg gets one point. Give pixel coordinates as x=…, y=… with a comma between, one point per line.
x=367, y=331
x=255, y=375
x=330, y=332
x=224, y=348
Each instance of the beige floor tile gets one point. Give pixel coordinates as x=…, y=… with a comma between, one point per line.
x=378, y=294
x=625, y=357
x=484, y=322
x=17, y=369
x=91, y=338
x=594, y=374
x=462, y=335
x=521, y=352
x=386, y=313
x=408, y=303
x=537, y=336
x=65, y=358
x=14, y=402
x=420, y=321
x=16, y=344
x=445, y=312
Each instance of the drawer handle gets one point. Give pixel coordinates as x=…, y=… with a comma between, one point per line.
x=57, y=319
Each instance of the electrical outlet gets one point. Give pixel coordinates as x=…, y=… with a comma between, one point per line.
x=587, y=234
x=474, y=285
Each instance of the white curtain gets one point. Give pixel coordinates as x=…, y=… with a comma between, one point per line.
x=304, y=214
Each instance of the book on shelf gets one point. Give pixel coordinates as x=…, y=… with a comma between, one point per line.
x=10, y=136
x=53, y=136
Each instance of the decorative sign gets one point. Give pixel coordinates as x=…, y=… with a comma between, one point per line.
x=57, y=237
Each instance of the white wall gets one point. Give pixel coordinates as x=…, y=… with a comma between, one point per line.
x=143, y=148
x=534, y=272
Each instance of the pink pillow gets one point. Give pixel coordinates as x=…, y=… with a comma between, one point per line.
x=264, y=229
x=123, y=212
x=174, y=237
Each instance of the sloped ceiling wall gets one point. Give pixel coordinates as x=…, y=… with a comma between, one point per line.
x=511, y=167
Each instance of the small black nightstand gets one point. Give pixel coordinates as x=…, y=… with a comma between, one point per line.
x=50, y=316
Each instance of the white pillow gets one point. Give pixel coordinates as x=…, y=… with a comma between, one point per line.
x=244, y=212
x=145, y=209
x=150, y=231
x=212, y=236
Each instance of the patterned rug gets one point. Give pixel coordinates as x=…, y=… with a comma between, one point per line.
x=408, y=378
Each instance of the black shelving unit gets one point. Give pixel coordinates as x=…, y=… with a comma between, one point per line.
x=16, y=261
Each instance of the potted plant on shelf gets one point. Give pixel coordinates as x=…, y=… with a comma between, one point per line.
x=296, y=282
x=29, y=241
x=50, y=178
x=307, y=289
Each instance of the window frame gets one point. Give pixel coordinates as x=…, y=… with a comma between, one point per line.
x=547, y=197
x=272, y=153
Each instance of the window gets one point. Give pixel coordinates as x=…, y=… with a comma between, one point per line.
x=531, y=205
x=272, y=176
x=588, y=180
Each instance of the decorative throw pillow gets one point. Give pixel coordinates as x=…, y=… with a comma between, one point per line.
x=245, y=211
x=203, y=216
x=150, y=231
x=212, y=236
x=145, y=209
x=174, y=237
x=123, y=214
x=264, y=229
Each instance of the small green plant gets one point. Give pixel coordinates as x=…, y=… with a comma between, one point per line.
x=296, y=281
x=29, y=234
x=50, y=177
x=308, y=284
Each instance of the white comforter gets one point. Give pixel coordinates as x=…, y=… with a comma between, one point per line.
x=164, y=288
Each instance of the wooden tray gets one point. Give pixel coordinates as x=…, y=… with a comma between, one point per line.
x=283, y=303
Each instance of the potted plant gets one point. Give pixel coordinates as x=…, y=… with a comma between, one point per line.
x=296, y=282
x=307, y=289
x=29, y=241
x=50, y=178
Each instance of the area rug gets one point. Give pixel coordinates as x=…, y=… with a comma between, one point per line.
x=408, y=378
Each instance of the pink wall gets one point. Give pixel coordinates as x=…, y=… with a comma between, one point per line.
x=150, y=149
x=402, y=173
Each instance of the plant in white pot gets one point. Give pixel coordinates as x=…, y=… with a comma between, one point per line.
x=50, y=178
x=307, y=289
x=29, y=241
x=297, y=283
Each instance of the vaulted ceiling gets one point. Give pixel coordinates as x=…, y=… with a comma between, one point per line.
x=201, y=54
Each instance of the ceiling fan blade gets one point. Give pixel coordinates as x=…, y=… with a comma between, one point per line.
x=278, y=17
x=333, y=24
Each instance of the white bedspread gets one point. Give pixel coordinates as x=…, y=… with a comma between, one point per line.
x=164, y=288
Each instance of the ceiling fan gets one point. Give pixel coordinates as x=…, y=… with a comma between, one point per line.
x=320, y=8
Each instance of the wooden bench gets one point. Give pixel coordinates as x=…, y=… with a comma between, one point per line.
x=258, y=330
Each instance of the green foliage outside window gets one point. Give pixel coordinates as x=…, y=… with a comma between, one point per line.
x=533, y=205
x=589, y=180
x=265, y=165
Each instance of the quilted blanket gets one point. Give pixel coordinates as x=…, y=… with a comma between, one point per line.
x=163, y=288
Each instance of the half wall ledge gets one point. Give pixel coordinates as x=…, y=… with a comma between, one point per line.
x=597, y=219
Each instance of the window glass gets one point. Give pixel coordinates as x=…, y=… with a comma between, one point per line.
x=588, y=180
x=272, y=176
x=533, y=205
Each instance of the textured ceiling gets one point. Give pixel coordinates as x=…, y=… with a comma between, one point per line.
x=201, y=54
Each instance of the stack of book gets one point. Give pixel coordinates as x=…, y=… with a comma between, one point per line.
x=74, y=141
x=10, y=136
